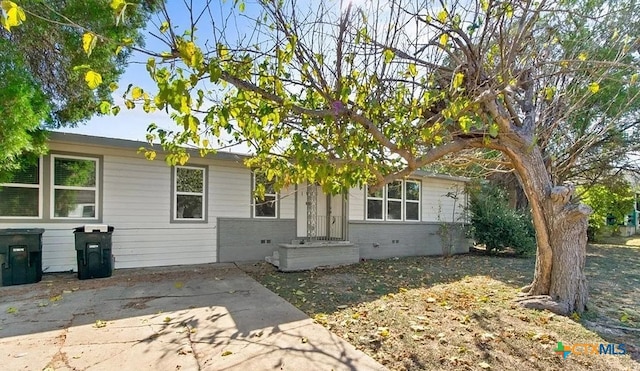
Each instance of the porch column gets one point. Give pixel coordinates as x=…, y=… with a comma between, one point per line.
x=312, y=211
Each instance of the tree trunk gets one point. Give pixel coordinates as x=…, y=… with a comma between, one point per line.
x=559, y=283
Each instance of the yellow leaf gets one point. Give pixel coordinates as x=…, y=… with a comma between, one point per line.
x=89, y=41
x=136, y=93
x=413, y=70
x=582, y=56
x=458, y=79
x=227, y=353
x=93, y=79
x=442, y=16
x=116, y=4
x=594, y=87
x=444, y=39
x=383, y=331
x=13, y=14
x=634, y=78
x=178, y=285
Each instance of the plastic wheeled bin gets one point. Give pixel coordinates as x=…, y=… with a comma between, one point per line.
x=93, y=247
x=20, y=256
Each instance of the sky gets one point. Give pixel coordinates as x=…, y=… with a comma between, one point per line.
x=132, y=124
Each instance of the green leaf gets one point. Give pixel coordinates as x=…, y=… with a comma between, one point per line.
x=241, y=7
x=93, y=79
x=105, y=107
x=89, y=41
x=493, y=129
x=388, y=55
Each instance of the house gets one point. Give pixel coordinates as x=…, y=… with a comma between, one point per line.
x=205, y=211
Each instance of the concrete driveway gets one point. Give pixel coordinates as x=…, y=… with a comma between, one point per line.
x=205, y=317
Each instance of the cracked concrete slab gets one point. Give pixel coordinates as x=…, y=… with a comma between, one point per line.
x=207, y=317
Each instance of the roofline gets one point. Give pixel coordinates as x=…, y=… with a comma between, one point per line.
x=98, y=141
x=91, y=140
x=427, y=174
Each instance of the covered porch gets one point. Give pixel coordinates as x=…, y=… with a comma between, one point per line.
x=321, y=233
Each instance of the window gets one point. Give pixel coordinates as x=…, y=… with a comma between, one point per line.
x=267, y=206
x=21, y=192
x=398, y=200
x=189, y=193
x=412, y=200
x=74, y=187
x=394, y=200
x=375, y=203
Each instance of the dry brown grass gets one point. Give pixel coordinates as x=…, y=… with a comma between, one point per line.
x=433, y=313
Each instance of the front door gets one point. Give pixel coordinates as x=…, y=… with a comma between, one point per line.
x=319, y=216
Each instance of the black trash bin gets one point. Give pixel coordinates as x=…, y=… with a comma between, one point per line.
x=20, y=256
x=93, y=247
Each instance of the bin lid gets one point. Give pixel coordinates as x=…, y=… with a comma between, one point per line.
x=88, y=228
x=14, y=231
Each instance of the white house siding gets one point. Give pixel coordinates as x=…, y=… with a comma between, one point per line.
x=288, y=202
x=437, y=206
x=137, y=202
x=230, y=190
x=356, y=204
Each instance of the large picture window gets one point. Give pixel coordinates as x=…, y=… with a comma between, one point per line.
x=189, y=193
x=398, y=200
x=267, y=206
x=21, y=192
x=74, y=187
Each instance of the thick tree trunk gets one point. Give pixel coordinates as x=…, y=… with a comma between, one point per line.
x=559, y=283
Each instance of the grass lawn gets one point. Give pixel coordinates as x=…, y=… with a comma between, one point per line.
x=429, y=313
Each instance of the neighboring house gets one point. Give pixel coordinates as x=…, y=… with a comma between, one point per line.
x=205, y=211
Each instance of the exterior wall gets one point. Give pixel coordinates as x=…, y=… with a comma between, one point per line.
x=379, y=240
x=242, y=239
x=135, y=197
x=437, y=206
x=136, y=200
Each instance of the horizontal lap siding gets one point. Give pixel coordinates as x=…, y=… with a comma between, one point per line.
x=230, y=190
x=288, y=203
x=137, y=202
x=356, y=204
x=437, y=206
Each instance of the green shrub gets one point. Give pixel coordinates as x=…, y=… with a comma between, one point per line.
x=496, y=225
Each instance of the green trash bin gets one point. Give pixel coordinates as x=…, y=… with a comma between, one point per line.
x=20, y=256
x=93, y=248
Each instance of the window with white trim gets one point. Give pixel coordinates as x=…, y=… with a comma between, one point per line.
x=21, y=192
x=375, y=204
x=412, y=200
x=189, y=193
x=74, y=187
x=267, y=206
x=394, y=200
x=397, y=201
